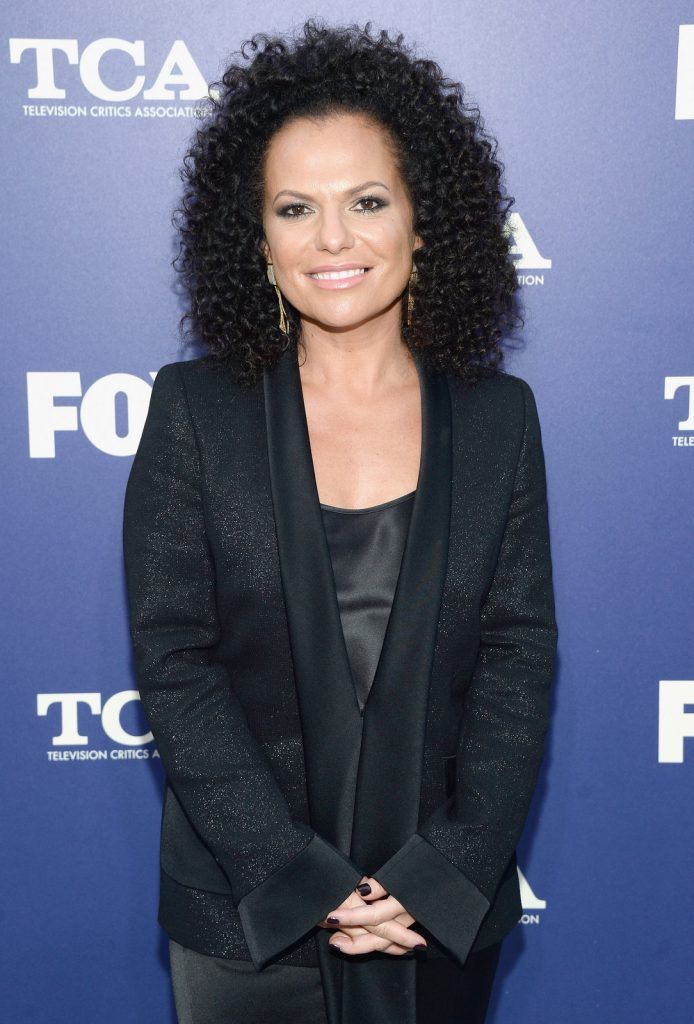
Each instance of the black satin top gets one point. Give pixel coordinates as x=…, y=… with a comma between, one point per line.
x=366, y=547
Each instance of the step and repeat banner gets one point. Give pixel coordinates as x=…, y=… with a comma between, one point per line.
x=593, y=107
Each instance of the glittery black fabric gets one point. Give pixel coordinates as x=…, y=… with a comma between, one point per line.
x=244, y=684
x=508, y=606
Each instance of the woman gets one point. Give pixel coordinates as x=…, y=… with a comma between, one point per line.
x=337, y=552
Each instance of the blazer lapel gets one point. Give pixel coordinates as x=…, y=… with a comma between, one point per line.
x=390, y=768
x=330, y=716
x=380, y=987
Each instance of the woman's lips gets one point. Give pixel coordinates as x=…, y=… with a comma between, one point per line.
x=339, y=283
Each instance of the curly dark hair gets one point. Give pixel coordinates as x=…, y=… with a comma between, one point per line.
x=464, y=294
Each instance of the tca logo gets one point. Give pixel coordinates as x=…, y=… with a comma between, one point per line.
x=117, y=397
x=110, y=714
x=42, y=52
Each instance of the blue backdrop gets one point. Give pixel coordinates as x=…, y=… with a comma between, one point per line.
x=593, y=105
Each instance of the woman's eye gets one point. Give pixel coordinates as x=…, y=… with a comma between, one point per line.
x=372, y=199
x=286, y=211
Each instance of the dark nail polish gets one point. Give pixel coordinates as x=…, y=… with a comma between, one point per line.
x=364, y=889
x=420, y=945
x=333, y=920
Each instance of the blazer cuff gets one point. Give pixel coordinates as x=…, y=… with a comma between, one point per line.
x=288, y=904
x=435, y=893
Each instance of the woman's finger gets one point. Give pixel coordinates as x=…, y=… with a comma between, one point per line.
x=388, y=937
x=366, y=914
x=348, y=930
x=404, y=919
x=371, y=945
x=377, y=890
x=399, y=934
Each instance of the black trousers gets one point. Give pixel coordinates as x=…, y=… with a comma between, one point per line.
x=214, y=990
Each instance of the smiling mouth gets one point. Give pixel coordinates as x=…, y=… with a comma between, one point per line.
x=337, y=275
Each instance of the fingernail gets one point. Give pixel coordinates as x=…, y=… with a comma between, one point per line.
x=333, y=920
x=364, y=889
x=338, y=943
x=420, y=945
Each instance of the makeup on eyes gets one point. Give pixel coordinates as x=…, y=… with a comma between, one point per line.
x=283, y=210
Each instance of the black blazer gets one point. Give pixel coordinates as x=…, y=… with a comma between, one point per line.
x=280, y=793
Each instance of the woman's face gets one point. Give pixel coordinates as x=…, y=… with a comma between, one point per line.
x=333, y=196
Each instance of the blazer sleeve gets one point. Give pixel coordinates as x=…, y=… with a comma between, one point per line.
x=447, y=873
x=283, y=876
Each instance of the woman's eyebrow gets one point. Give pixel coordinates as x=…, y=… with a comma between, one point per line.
x=347, y=192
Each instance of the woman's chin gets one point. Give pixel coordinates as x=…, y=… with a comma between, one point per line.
x=347, y=319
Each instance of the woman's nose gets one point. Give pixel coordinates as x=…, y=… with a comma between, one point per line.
x=333, y=232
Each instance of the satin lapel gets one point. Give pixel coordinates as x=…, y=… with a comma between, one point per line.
x=381, y=987
x=390, y=768
x=330, y=717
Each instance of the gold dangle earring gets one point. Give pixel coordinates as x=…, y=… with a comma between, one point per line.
x=410, y=297
x=284, y=319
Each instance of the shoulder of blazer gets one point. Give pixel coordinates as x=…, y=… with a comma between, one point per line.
x=502, y=399
x=204, y=372
x=208, y=385
x=499, y=383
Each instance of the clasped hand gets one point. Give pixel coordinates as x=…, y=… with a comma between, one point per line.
x=376, y=921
